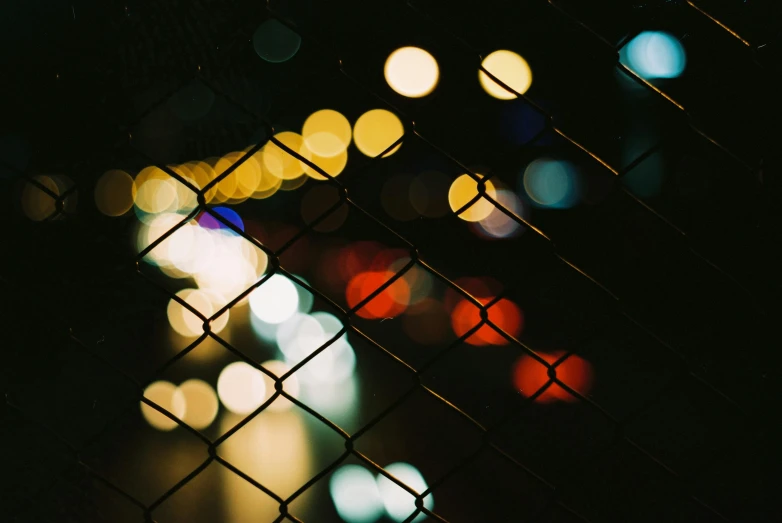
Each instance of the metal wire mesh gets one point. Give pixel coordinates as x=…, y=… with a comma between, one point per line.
x=621, y=316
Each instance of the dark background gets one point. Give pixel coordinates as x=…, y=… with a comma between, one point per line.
x=678, y=312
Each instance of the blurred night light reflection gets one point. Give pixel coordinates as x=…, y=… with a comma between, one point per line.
x=529, y=375
x=168, y=397
x=201, y=403
x=550, y=183
x=326, y=134
x=241, y=387
x=207, y=221
x=376, y=130
x=390, y=302
x=654, y=54
x=275, y=449
x=275, y=300
x=37, y=204
x=505, y=314
x=399, y=503
x=412, y=72
x=114, y=193
x=462, y=191
x=275, y=42
x=281, y=163
x=355, y=494
x=509, y=68
x=498, y=224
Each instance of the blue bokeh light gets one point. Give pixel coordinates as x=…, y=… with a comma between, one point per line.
x=207, y=221
x=654, y=54
x=550, y=183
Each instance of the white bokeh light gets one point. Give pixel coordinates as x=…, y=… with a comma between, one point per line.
x=241, y=388
x=275, y=301
x=398, y=502
x=355, y=494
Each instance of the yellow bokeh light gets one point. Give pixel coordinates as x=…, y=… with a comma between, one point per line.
x=463, y=190
x=333, y=165
x=114, y=193
x=241, y=388
x=376, y=130
x=37, y=204
x=202, y=173
x=508, y=67
x=412, y=72
x=290, y=385
x=326, y=133
x=154, y=191
x=201, y=401
x=167, y=396
x=278, y=161
x=183, y=320
x=187, y=198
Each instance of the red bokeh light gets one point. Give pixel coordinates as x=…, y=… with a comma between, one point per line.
x=504, y=314
x=529, y=376
x=484, y=287
x=388, y=304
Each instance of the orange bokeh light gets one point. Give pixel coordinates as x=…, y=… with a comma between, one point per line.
x=529, y=375
x=388, y=304
x=504, y=314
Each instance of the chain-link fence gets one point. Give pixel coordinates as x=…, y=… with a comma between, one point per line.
x=618, y=365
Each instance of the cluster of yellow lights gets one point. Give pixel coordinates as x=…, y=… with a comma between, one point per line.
x=193, y=402
x=463, y=190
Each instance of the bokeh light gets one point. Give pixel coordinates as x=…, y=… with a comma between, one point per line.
x=376, y=130
x=529, y=375
x=655, y=54
x=398, y=502
x=114, y=193
x=37, y=204
x=275, y=300
x=154, y=191
x=241, y=387
x=201, y=401
x=168, y=397
x=207, y=221
x=550, y=183
x=182, y=320
x=274, y=42
x=290, y=385
x=389, y=303
x=333, y=166
x=508, y=67
x=279, y=162
x=326, y=134
x=355, y=494
x=412, y=72
x=504, y=314
x=498, y=224
x=462, y=191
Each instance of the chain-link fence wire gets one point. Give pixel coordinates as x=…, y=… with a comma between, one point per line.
x=57, y=208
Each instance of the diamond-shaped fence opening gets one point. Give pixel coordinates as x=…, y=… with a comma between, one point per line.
x=275, y=279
